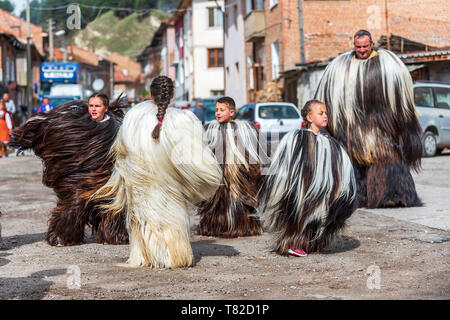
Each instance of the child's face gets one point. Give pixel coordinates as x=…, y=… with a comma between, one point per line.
x=318, y=116
x=223, y=112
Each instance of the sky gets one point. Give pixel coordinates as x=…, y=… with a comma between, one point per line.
x=19, y=6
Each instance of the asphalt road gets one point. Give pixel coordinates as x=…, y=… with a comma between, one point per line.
x=382, y=254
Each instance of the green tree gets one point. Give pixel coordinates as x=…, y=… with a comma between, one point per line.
x=6, y=5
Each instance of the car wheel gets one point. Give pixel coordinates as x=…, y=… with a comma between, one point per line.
x=429, y=144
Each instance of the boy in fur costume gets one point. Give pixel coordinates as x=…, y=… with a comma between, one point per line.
x=231, y=212
x=309, y=191
x=73, y=141
x=162, y=163
x=369, y=98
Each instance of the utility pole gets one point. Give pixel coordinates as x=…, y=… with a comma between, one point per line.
x=50, y=38
x=29, y=90
x=388, y=38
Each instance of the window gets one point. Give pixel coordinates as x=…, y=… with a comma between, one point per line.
x=215, y=17
x=216, y=93
x=215, y=58
x=443, y=97
x=245, y=113
x=277, y=112
x=423, y=97
x=275, y=59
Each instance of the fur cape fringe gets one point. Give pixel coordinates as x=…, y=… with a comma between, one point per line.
x=155, y=180
x=371, y=113
x=241, y=151
x=309, y=192
x=74, y=152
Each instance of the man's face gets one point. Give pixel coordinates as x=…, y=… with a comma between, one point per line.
x=5, y=97
x=223, y=112
x=45, y=101
x=97, y=109
x=363, y=47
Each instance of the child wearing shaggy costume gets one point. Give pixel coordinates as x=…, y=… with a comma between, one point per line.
x=73, y=141
x=231, y=212
x=310, y=188
x=162, y=164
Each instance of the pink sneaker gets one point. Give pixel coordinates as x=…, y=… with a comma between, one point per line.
x=297, y=252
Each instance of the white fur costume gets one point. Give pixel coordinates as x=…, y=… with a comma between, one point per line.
x=156, y=179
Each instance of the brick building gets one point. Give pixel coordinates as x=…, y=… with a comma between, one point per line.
x=278, y=41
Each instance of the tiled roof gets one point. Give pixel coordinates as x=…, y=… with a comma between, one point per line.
x=9, y=23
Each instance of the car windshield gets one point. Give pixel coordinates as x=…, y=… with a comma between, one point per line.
x=278, y=112
x=60, y=100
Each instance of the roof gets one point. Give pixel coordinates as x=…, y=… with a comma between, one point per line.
x=9, y=23
x=81, y=55
x=126, y=70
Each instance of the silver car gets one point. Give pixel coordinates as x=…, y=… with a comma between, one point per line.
x=274, y=119
x=432, y=100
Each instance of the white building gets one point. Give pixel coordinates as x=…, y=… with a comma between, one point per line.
x=203, y=44
x=235, y=63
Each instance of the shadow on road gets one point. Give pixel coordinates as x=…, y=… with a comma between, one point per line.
x=208, y=248
x=21, y=240
x=342, y=244
x=4, y=261
x=33, y=287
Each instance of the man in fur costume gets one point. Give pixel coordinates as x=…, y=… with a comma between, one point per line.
x=162, y=164
x=369, y=98
x=231, y=212
x=73, y=141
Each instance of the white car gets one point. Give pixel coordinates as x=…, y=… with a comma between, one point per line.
x=274, y=119
x=432, y=100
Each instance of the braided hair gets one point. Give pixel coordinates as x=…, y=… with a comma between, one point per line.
x=161, y=90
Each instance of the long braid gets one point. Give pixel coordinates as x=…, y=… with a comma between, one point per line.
x=161, y=90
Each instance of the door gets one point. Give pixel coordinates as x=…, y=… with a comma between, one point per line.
x=443, y=113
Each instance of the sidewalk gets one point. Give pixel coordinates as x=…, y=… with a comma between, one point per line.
x=435, y=213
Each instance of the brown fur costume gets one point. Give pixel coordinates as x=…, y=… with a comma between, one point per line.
x=75, y=153
x=231, y=212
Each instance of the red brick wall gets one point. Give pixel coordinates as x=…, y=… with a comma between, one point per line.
x=329, y=25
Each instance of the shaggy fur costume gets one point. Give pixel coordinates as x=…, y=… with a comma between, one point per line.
x=308, y=193
x=155, y=180
x=231, y=212
x=74, y=151
x=371, y=113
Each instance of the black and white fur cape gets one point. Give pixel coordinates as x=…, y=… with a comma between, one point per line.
x=155, y=180
x=309, y=192
x=241, y=152
x=371, y=113
x=74, y=151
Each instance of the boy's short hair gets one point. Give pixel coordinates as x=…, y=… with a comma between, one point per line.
x=228, y=101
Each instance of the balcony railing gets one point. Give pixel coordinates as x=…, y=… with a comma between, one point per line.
x=254, y=25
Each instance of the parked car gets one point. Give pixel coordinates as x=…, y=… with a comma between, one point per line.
x=432, y=100
x=205, y=109
x=274, y=119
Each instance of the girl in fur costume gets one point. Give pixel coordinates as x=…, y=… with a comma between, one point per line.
x=161, y=165
x=369, y=98
x=231, y=211
x=309, y=191
x=73, y=141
